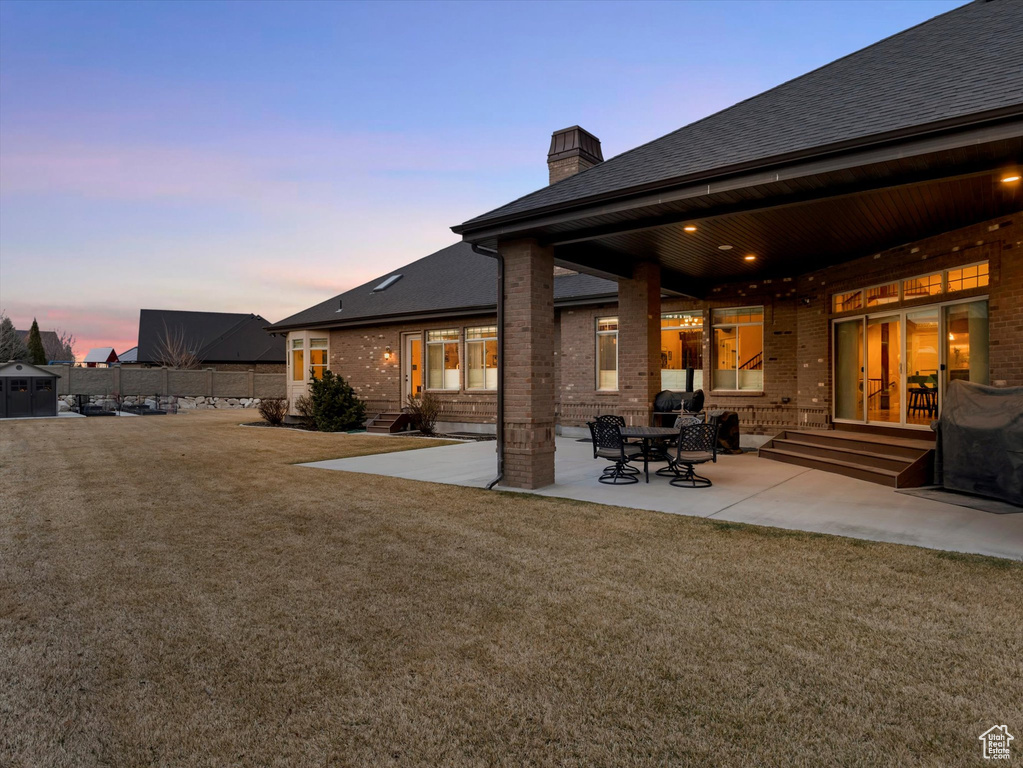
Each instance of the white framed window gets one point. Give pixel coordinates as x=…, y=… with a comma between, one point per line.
x=880, y=295
x=481, y=357
x=919, y=287
x=607, y=354
x=738, y=348
x=317, y=357
x=965, y=278
x=297, y=359
x=443, y=366
x=681, y=349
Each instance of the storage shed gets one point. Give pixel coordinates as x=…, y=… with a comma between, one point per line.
x=26, y=390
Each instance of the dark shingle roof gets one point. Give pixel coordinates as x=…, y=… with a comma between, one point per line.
x=214, y=337
x=964, y=62
x=453, y=279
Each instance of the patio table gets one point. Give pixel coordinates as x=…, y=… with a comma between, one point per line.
x=648, y=435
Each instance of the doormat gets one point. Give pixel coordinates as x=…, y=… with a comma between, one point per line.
x=982, y=503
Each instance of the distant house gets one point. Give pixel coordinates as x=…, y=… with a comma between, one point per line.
x=55, y=351
x=100, y=357
x=130, y=355
x=220, y=340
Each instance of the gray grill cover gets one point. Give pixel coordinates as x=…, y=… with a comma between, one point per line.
x=980, y=441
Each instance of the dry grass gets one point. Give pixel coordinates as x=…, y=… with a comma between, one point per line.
x=174, y=592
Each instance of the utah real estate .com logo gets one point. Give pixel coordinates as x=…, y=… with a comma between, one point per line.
x=996, y=742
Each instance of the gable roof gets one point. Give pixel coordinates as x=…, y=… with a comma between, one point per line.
x=129, y=355
x=100, y=355
x=49, y=338
x=213, y=337
x=963, y=63
x=15, y=369
x=454, y=280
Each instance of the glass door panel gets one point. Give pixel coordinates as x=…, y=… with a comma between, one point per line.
x=884, y=369
x=922, y=364
x=849, y=370
x=966, y=342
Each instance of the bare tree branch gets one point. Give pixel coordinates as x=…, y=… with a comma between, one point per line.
x=172, y=349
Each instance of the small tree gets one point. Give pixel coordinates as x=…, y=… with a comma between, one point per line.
x=174, y=351
x=36, y=351
x=335, y=405
x=273, y=410
x=423, y=411
x=304, y=406
x=12, y=347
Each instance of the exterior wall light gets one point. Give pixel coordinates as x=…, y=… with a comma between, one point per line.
x=387, y=353
x=1010, y=178
x=750, y=257
x=689, y=228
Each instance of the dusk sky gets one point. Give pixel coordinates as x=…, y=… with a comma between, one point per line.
x=262, y=157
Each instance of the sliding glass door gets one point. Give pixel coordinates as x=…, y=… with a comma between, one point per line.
x=893, y=369
x=884, y=369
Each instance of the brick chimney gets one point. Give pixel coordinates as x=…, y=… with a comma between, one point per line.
x=572, y=150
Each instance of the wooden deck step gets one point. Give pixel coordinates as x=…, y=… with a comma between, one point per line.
x=388, y=423
x=892, y=461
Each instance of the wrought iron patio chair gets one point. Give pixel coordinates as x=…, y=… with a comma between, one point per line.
x=608, y=444
x=671, y=445
x=697, y=444
x=620, y=421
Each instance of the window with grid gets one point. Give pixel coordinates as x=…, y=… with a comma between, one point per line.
x=738, y=348
x=443, y=366
x=846, y=302
x=965, y=278
x=481, y=357
x=681, y=349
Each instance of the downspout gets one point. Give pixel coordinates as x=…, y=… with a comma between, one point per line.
x=500, y=359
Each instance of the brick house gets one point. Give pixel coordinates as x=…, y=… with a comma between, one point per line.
x=829, y=254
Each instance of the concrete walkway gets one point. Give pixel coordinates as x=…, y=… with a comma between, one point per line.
x=746, y=489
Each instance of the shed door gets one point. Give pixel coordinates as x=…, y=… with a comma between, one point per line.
x=19, y=398
x=43, y=398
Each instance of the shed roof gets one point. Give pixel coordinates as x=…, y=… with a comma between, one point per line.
x=17, y=370
x=101, y=355
x=963, y=63
x=455, y=279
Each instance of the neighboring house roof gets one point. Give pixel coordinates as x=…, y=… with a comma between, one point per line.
x=49, y=338
x=129, y=355
x=213, y=337
x=966, y=62
x=454, y=280
x=101, y=355
x=14, y=370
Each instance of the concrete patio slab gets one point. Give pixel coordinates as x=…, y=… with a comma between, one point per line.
x=747, y=489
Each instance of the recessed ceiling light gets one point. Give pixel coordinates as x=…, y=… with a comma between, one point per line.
x=689, y=228
x=750, y=257
x=1010, y=179
x=724, y=247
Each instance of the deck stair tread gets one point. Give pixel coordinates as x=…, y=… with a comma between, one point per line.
x=865, y=437
x=388, y=422
x=782, y=442
x=893, y=461
x=835, y=462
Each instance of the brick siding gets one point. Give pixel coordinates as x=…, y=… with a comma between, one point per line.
x=797, y=350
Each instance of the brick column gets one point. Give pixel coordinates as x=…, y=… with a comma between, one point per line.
x=639, y=343
x=528, y=364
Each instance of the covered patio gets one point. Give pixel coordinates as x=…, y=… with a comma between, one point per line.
x=763, y=205
x=746, y=490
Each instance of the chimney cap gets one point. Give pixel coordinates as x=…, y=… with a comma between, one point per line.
x=575, y=142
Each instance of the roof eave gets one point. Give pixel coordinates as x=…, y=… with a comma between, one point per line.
x=480, y=309
x=476, y=230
